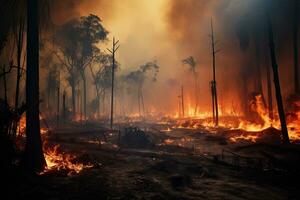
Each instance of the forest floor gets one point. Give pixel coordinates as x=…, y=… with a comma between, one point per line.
x=175, y=164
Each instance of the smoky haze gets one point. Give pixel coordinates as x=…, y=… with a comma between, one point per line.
x=169, y=31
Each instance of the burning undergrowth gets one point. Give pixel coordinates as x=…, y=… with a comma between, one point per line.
x=256, y=128
x=58, y=160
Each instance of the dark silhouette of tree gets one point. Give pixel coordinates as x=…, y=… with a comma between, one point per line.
x=193, y=65
x=136, y=80
x=34, y=157
x=101, y=73
x=281, y=113
x=77, y=42
x=295, y=43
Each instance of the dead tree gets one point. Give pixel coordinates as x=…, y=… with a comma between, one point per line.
x=64, y=107
x=115, y=47
x=4, y=83
x=214, y=83
x=182, y=101
x=295, y=44
x=281, y=113
x=19, y=55
x=58, y=96
x=270, y=98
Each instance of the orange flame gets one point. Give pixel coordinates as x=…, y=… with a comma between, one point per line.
x=62, y=161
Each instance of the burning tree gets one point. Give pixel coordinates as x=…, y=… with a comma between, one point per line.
x=193, y=65
x=136, y=80
x=77, y=43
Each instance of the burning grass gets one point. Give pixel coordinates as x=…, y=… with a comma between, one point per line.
x=57, y=161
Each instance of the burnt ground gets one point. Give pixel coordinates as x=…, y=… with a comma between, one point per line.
x=195, y=164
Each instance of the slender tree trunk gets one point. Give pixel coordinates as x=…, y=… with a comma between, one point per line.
x=58, y=102
x=281, y=113
x=73, y=89
x=84, y=94
x=182, y=101
x=34, y=157
x=139, y=101
x=196, y=93
x=213, y=100
x=142, y=100
x=5, y=86
x=295, y=43
x=270, y=98
x=215, y=95
x=64, y=108
x=98, y=104
x=19, y=55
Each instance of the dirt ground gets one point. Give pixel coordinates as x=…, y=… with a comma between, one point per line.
x=180, y=164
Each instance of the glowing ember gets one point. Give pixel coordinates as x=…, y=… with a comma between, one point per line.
x=238, y=138
x=168, y=141
x=167, y=130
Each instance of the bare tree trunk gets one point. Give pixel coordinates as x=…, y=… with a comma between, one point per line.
x=73, y=88
x=84, y=94
x=64, y=108
x=281, y=113
x=5, y=85
x=182, y=101
x=142, y=100
x=19, y=55
x=196, y=93
x=295, y=43
x=214, y=83
x=139, y=101
x=34, y=157
x=58, y=102
x=270, y=98
x=213, y=100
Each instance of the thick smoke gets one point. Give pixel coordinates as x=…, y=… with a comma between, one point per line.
x=239, y=28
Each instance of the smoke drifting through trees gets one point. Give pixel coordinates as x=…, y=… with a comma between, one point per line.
x=240, y=29
x=171, y=30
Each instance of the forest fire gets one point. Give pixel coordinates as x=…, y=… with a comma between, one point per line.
x=150, y=99
x=22, y=127
x=58, y=161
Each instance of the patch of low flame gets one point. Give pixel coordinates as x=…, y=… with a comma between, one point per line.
x=166, y=130
x=62, y=161
x=238, y=138
x=21, y=129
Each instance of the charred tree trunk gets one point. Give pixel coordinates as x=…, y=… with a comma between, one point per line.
x=214, y=83
x=5, y=85
x=113, y=51
x=295, y=44
x=34, y=157
x=19, y=55
x=182, y=101
x=213, y=99
x=270, y=98
x=281, y=113
x=58, y=102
